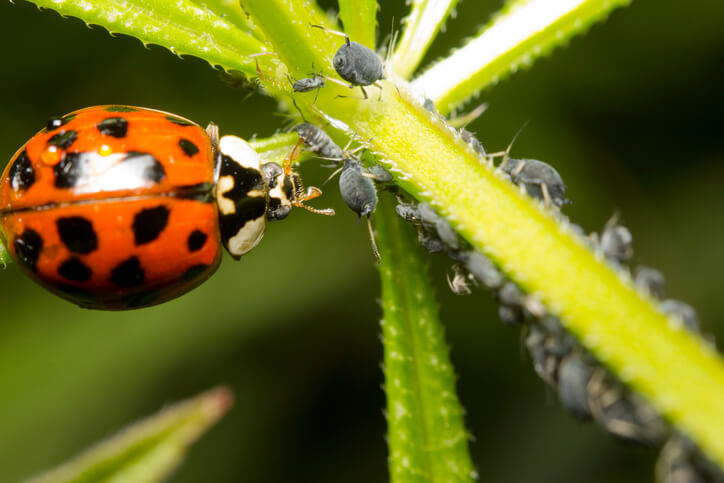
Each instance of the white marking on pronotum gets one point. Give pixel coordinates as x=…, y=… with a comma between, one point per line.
x=248, y=237
x=240, y=151
x=223, y=186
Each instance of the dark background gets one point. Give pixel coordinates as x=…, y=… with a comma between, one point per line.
x=631, y=116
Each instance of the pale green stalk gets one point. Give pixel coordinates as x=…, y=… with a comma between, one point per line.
x=515, y=38
x=426, y=19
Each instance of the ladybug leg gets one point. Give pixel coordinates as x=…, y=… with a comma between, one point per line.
x=293, y=155
x=312, y=191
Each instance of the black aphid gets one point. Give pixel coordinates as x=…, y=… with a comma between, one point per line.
x=357, y=64
x=319, y=142
x=539, y=179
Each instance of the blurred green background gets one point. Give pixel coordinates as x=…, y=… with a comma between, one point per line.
x=631, y=116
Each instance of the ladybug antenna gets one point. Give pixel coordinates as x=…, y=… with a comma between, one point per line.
x=312, y=192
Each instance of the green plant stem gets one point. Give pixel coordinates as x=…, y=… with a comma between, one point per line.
x=426, y=433
x=522, y=32
x=359, y=18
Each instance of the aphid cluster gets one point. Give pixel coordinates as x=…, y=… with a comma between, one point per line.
x=583, y=384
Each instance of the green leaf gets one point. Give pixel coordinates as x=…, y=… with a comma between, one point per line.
x=182, y=26
x=520, y=34
x=359, y=18
x=148, y=450
x=426, y=435
x=421, y=27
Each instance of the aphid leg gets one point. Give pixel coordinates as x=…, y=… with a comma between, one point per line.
x=546, y=195
x=518, y=169
x=377, y=85
x=294, y=101
x=375, y=251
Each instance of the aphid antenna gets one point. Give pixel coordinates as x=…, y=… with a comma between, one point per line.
x=506, y=154
x=465, y=119
x=335, y=32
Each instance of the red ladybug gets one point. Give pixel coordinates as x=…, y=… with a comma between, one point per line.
x=118, y=207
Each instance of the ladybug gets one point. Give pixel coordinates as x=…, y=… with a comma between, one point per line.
x=119, y=207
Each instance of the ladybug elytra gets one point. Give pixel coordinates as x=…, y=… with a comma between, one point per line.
x=118, y=207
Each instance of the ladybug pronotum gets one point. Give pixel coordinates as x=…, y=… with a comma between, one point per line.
x=117, y=207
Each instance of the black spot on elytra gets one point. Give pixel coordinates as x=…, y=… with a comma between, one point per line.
x=188, y=147
x=149, y=223
x=70, y=170
x=77, y=234
x=22, y=175
x=113, y=126
x=75, y=270
x=28, y=247
x=128, y=273
x=120, y=109
x=194, y=272
x=142, y=299
x=179, y=121
x=63, y=139
x=57, y=121
x=196, y=240
x=153, y=171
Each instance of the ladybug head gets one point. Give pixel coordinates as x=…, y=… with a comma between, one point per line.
x=285, y=189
